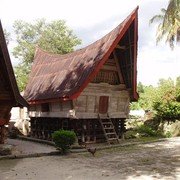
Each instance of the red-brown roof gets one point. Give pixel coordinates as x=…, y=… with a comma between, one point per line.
x=65, y=76
x=7, y=80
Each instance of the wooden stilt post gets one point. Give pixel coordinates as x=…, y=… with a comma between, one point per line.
x=2, y=134
x=123, y=129
x=4, y=121
x=83, y=132
x=94, y=130
x=88, y=130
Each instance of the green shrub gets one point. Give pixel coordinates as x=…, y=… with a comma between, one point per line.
x=164, y=99
x=146, y=130
x=167, y=103
x=64, y=139
x=131, y=134
x=167, y=111
x=168, y=134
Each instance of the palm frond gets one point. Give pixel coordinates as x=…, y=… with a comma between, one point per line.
x=169, y=26
x=156, y=18
x=163, y=11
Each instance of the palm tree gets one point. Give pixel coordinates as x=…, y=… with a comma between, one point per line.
x=169, y=26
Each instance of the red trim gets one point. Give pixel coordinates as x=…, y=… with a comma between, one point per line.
x=49, y=100
x=135, y=94
x=3, y=122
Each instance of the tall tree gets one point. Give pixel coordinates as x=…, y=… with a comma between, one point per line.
x=169, y=23
x=7, y=36
x=53, y=37
x=140, y=87
x=178, y=81
x=178, y=88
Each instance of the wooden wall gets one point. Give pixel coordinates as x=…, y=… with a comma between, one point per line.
x=86, y=106
x=108, y=82
x=56, y=109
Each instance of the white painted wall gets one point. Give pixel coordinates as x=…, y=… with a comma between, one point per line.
x=19, y=113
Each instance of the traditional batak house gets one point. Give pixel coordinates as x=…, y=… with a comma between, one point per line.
x=9, y=93
x=88, y=90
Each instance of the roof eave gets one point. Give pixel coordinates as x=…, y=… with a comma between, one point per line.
x=17, y=97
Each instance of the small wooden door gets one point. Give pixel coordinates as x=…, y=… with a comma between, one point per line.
x=103, y=104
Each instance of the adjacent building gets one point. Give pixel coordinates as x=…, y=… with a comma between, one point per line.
x=9, y=93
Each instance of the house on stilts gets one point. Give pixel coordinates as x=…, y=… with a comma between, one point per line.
x=9, y=93
x=88, y=90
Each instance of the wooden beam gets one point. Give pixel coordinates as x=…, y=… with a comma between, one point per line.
x=135, y=94
x=110, y=68
x=121, y=47
x=131, y=57
x=118, y=68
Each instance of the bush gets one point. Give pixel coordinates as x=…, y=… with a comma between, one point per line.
x=130, y=134
x=168, y=134
x=166, y=104
x=168, y=111
x=146, y=130
x=64, y=139
x=164, y=99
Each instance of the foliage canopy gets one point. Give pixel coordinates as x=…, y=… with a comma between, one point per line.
x=54, y=37
x=167, y=104
x=7, y=36
x=164, y=99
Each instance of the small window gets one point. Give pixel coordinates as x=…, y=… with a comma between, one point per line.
x=45, y=107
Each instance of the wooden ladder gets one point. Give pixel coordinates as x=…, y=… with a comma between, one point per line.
x=108, y=129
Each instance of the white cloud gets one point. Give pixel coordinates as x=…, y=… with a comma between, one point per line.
x=155, y=62
x=78, y=13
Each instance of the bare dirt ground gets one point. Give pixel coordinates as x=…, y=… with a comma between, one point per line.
x=28, y=147
x=159, y=160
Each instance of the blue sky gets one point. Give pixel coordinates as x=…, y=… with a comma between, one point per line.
x=90, y=20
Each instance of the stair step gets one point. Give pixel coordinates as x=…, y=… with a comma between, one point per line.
x=104, y=118
x=104, y=123
x=112, y=139
x=108, y=128
x=111, y=133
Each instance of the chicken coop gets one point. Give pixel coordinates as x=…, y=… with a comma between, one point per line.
x=9, y=93
x=88, y=90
